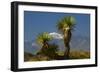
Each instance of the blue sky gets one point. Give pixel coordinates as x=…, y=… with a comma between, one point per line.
x=38, y=22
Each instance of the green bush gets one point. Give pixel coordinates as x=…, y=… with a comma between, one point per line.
x=50, y=51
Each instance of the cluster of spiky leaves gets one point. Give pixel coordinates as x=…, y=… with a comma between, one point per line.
x=44, y=37
x=66, y=22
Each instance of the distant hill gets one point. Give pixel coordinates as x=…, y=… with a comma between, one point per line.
x=80, y=43
x=31, y=47
x=77, y=43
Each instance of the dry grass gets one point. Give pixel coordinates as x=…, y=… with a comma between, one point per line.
x=73, y=55
x=79, y=55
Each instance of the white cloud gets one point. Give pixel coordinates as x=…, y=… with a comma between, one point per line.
x=56, y=35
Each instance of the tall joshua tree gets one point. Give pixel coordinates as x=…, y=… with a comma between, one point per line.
x=65, y=26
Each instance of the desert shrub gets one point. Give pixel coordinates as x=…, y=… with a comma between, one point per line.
x=50, y=51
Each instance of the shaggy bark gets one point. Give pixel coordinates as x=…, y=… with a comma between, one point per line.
x=67, y=39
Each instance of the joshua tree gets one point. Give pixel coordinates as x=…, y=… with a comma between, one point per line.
x=43, y=39
x=47, y=48
x=65, y=26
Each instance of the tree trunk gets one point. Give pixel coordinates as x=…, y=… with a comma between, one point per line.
x=44, y=48
x=67, y=38
x=67, y=51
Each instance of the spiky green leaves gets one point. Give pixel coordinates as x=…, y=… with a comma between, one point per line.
x=44, y=37
x=66, y=22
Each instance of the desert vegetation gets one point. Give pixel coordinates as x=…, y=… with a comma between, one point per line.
x=49, y=51
x=73, y=55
